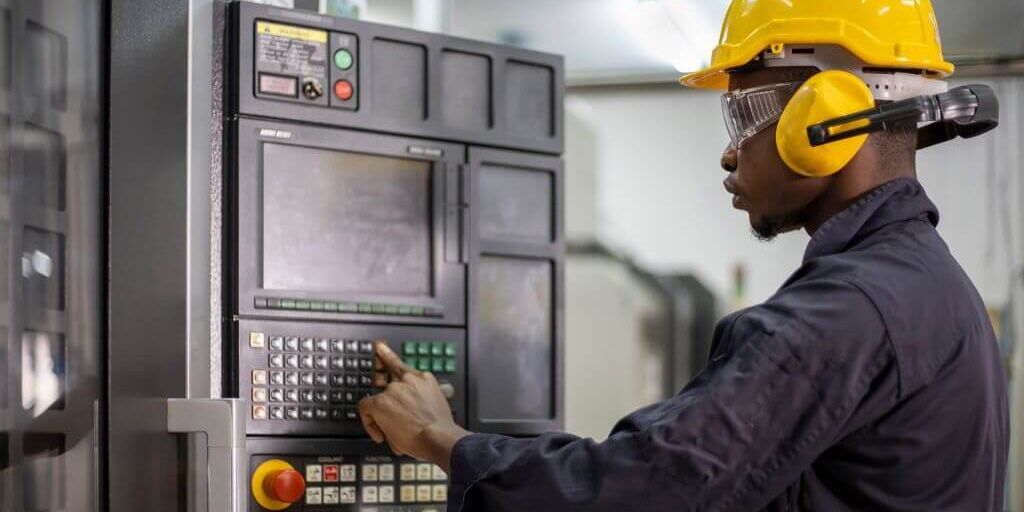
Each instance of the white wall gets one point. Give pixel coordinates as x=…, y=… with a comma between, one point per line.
x=644, y=178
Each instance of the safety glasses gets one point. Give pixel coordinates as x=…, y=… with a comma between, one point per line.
x=749, y=111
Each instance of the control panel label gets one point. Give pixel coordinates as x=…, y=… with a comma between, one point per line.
x=291, y=50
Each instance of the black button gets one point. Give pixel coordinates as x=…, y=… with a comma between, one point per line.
x=337, y=396
x=366, y=364
x=276, y=343
x=323, y=345
x=320, y=413
x=352, y=346
x=322, y=379
x=351, y=363
x=338, y=362
x=351, y=397
x=351, y=381
x=365, y=381
x=366, y=347
x=337, y=379
x=291, y=412
x=291, y=396
x=321, y=396
x=337, y=345
x=307, y=395
x=306, y=378
x=338, y=414
x=306, y=413
x=308, y=344
x=351, y=414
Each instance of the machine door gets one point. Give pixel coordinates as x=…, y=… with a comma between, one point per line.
x=51, y=254
x=516, y=299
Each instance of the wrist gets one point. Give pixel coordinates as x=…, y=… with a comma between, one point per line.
x=440, y=443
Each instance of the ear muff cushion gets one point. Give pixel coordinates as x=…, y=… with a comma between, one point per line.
x=824, y=96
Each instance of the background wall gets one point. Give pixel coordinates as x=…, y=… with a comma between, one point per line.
x=644, y=179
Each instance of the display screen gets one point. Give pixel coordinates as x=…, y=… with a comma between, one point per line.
x=345, y=222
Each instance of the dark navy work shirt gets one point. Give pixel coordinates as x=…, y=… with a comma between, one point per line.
x=870, y=381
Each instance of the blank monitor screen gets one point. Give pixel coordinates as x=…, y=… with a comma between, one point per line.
x=337, y=221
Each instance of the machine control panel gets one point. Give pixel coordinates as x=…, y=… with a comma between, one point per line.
x=356, y=477
x=306, y=65
x=308, y=378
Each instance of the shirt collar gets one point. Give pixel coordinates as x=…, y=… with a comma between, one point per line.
x=899, y=200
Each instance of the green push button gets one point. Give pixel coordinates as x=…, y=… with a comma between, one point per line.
x=330, y=306
x=423, y=364
x=424, y=348
x=449, y=349
x=437, y=349
x=343, y=59
x=449, y=365
x=302, y=304
x=287, y=304
x=411, y=362
x=437, y=366
x=409, y=348
x=416, y=311
x=390, y=309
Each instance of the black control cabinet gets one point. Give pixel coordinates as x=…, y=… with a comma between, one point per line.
x=387, y=185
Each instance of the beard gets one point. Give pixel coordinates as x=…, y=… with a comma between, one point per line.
x=767, y=228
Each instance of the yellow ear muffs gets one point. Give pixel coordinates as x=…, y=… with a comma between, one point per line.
x=824, y=96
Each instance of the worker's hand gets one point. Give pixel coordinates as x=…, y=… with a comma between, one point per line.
x=411, y=414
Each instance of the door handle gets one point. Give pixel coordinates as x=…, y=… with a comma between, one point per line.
x=223, y=422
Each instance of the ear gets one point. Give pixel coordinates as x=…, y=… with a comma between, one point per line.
x=827, y=95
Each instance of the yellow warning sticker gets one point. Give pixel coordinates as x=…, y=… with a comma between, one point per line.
x=291, y=32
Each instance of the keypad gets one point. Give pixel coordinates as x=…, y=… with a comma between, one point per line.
x=314, y=379
x=374, y=482
x=430, y=356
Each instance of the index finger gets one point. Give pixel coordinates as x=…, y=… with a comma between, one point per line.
x=392, y=363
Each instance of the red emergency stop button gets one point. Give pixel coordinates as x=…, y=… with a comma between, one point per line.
x=276, y=485
x=285, y=485
x=343, y=90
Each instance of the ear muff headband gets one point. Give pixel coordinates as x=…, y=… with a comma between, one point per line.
x=824, y=97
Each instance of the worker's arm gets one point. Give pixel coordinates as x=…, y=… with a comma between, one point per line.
x=789, y=379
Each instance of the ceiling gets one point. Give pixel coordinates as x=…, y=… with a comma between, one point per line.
x=612, y=40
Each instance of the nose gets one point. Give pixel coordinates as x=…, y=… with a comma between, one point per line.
x=729, y=159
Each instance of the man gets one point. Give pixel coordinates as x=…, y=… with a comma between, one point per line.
x=870, y=381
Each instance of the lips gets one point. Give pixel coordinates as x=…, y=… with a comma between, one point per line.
x=730, y=187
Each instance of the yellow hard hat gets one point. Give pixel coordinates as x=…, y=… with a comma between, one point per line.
x=902, y=34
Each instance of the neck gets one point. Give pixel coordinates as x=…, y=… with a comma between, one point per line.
x=864, y=173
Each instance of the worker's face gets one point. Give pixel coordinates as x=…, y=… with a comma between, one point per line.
x=774, y=197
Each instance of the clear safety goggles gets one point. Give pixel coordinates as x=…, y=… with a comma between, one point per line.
x=748, y=111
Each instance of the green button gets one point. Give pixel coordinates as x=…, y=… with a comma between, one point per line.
x=424, y=348
x=287, y=304
x=412, y=362
x=391, y=310
x=437, y=366
x=416, y=310
x=330, y=306
x=423, y=364
x=404, y=310
x=450, y=365
x=378, y=309
x=348, y=307
x=449, y=349
x=437, y=349
x=302, y=304
x=365, y=308
x=409, y=348
x=343, y=59
x=316, y=305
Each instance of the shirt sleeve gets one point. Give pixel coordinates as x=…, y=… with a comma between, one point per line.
x=789, y=379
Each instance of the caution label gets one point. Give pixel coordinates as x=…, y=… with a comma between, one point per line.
x=290, y=50
x=292, y=32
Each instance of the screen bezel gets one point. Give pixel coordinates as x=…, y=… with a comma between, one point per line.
x=448, y=274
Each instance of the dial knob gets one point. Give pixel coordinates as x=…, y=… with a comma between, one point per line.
x=276, y=485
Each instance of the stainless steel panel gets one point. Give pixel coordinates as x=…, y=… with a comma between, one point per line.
x=51, y=239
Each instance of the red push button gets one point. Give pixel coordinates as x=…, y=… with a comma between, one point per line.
x=343, y=90
x=286, y=485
